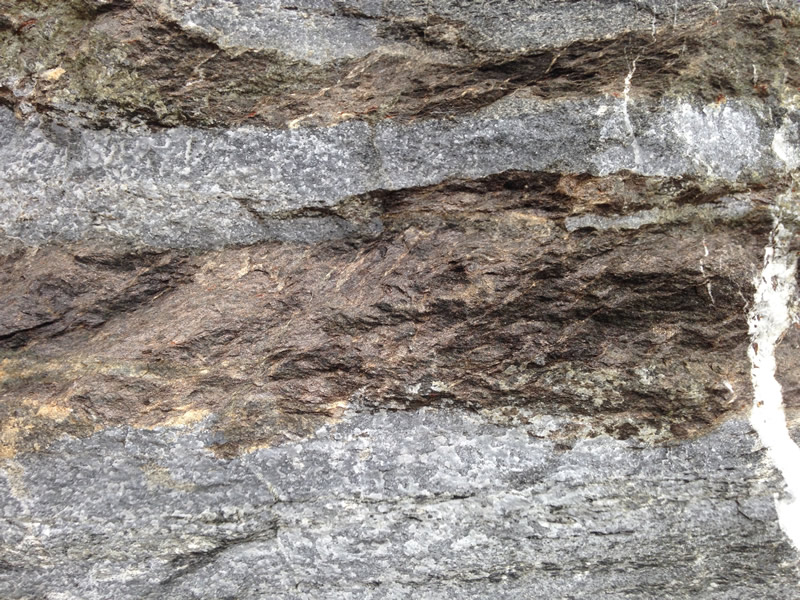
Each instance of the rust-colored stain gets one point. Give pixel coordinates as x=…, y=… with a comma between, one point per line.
x=128, y=59
x=474, y=296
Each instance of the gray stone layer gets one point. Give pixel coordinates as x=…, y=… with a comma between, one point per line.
x=325, y=30
x=430, y=504
x=185, y=187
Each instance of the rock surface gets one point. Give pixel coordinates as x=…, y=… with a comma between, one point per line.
x=376, y=299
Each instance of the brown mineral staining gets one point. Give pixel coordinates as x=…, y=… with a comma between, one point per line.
x=157, y=476
x=474, y=296
x=787, y=357
x=129, y=62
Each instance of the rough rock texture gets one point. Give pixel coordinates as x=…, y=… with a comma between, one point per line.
x=393, y=505
x=377, y=299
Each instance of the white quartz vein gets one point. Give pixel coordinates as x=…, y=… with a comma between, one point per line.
x=769, y=318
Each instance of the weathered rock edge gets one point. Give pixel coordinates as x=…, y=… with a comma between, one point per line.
x=281, y=64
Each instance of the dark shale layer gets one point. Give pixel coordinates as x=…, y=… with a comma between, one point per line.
x=375, y=299
x=280, y=64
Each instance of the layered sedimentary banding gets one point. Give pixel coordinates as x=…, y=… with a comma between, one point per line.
x=199, y=188
x=619, y=300
x=293, y=64
x=387, y=299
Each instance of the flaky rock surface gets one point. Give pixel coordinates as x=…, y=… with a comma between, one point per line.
x=376, y=299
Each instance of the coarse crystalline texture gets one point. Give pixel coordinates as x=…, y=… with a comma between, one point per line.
x=365, y=299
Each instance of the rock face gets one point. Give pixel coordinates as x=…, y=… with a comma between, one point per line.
x=377, y=299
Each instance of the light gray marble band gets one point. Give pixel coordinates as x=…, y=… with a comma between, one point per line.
x=186, y=187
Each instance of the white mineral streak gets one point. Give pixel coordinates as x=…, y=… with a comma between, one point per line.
x=768, y=320
x=637, y=152
x=784, y=148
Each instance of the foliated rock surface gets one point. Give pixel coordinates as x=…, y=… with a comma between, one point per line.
x=381, y=299
x=397, y=504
